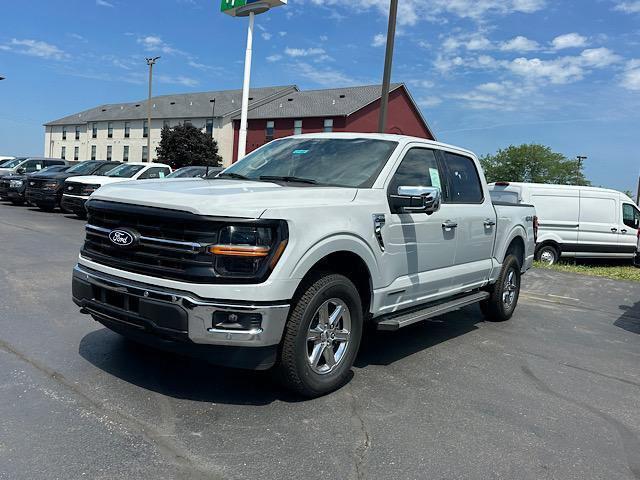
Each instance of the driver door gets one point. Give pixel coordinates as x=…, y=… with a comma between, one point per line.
x=628, y=231
x=421, y=251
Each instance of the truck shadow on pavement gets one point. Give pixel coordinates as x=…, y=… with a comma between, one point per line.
x=185, y=378
x=630, y=319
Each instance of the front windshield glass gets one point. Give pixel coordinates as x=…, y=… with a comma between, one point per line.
x=125, y=171
x=83, y=168
x=13, y=163
x=187, y=172
x=325, y=161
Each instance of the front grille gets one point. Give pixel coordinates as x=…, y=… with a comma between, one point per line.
x=36, y=184
x=73, y=188
x=4, y=186
x=172, y=244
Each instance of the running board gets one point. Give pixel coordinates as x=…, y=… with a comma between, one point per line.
x=403, y=320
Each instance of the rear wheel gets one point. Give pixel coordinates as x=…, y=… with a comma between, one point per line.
x=548, y=254
x=17, y=202
x=322, y=336
x=45, y=207
x=504, y=294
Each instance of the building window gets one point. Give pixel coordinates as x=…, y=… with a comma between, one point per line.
x=166, y=124
x=76, y=153
x=145, y=129
x=270, y=129
x=77, y=132
x=94, y=130
x=109, y=152
x=145, y=154
x=63, y=153
x=127, y=129
x=93, y=152
x=297, y=127
x=64, y=133
x=210, y=126
x=125, y=153
x=110, y=129
x=328, y=125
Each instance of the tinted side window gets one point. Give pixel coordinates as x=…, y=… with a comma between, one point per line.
x=630, y=216
x=156, y=172
x=33, y=166
x=419, y=168
x=104, y=169
x=463, y=179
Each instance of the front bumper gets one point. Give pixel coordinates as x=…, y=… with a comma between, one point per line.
x=180, y=321
x=47, y=197
x=15, y=194
x=73, y=203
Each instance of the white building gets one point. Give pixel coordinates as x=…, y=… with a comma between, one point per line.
x=119, y=131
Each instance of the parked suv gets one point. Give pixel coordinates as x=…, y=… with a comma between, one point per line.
x=28, y=165
x=282, y=259
x=46, y=191
x=17, y=184
x=78, y=189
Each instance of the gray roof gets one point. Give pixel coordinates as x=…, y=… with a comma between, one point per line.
x=335, y=102
x=186, y=105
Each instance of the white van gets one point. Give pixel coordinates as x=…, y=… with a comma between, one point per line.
x=575, y=221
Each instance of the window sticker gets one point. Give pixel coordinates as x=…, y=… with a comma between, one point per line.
x=161, y=174
x=435, y=178
x=300, y=152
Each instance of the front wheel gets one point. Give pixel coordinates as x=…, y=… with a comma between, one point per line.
x=548, y=254
x=502, y=302
x=322, y=336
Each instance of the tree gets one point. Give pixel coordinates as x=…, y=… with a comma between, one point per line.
x=532, y=163
x=185, y=145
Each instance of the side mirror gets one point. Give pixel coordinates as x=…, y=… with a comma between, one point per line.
x=20, y=170
x=420, y=199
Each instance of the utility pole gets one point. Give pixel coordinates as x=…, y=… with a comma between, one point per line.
x=388, y=62
x=638, y=193
x=580, y=158
x=150, y=61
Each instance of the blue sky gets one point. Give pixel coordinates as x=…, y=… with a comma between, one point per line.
x=486, y=73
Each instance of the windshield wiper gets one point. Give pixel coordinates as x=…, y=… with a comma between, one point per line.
x=233, y=175
x=285, y=178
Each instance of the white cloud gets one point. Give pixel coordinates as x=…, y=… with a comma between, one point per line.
x=323, y=38
x=503, y=96
x=467, y=41
x=379, y=40
x=104, y=3
x=282, y=34
x=274, y=58
x=569, y=40
x=519, y=44
x=178, y=80
x=266, y=35
x=36, y=48
x=323, y=76
x=431, y=101
x=303, y=52
x=631, y=76
x=154, y=43
x=628, y=7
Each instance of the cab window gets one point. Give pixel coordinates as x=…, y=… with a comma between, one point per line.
x=464, y=181
x=155, y=172
x=419, y=168
x=32, y=166
x=630, y=216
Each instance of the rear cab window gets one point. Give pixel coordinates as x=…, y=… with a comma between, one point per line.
x=463, y=178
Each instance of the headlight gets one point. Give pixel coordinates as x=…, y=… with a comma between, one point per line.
x=51, y=186
x=15, y=183
x=89, y=189
x=248, y=251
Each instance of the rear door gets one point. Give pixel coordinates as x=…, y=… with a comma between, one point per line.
x=628, y=230
x=473, y=212
x=599, y=224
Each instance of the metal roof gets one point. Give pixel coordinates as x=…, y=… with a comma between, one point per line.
x=185, y=105
x=334, y=102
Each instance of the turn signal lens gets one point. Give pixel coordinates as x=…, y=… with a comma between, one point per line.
x=239, y=251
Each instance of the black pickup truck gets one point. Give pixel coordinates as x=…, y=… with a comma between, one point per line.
x=13, y=187
x=46, y=191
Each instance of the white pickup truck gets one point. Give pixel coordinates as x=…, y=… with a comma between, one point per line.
x=282, y=260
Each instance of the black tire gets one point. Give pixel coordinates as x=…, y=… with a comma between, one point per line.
x=17, y=203
x=294, y=365
x=44, y=207
x=82, y=215
x=496, y=308
x=548, y=254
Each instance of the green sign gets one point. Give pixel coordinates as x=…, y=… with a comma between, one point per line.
x=231, y=4
x=230, y=7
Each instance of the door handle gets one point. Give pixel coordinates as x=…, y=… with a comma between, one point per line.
x=624, y=230
x=614, y=229
x=489, y=223
x=448, y=225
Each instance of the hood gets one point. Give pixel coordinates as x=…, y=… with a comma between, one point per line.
x=98, y=179
x=226, y=198
x=6, y=171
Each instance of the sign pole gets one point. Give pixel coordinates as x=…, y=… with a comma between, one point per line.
x=242, y=139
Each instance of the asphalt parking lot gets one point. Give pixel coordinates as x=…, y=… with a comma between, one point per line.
x=552, y=394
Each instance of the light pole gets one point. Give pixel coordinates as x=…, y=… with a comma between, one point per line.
x=580, y=158
x=247, y=8
x=388, y=61
x=151, y=62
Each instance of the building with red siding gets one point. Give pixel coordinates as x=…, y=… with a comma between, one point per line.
x=350, y=109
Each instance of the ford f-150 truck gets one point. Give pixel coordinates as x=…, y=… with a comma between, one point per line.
x=282, y=259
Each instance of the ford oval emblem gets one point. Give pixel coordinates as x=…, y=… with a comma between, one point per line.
x=122, y=238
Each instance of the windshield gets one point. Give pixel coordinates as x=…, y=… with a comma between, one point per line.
x=325, y=161
x=188, y=172
x=82, y=168
x=125, y=171
x=13, y=163
x=53, y=169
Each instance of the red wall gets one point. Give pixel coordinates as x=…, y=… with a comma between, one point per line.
x=402, y=118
